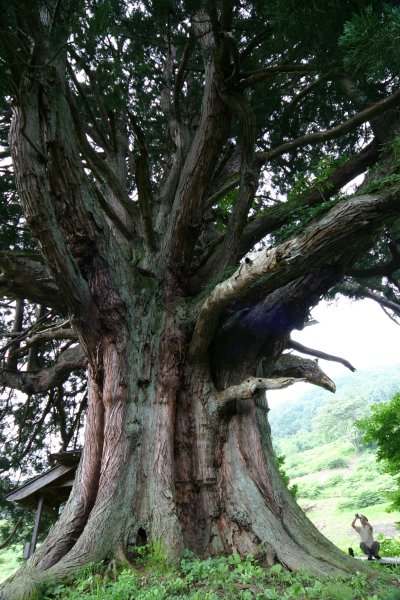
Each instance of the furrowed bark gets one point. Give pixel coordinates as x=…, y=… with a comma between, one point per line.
x=42, y=219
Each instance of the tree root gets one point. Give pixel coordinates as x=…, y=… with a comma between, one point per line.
x=22, y=586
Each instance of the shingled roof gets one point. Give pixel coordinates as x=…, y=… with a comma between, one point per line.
x=47, y=491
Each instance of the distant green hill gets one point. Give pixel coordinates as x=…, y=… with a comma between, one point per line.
x=370, y=386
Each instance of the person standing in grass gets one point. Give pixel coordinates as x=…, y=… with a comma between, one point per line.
x=368, y=545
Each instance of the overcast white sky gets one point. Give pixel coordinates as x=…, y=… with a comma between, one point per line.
x=358, y=331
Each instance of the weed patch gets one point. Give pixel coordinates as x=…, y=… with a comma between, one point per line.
x=231, y=578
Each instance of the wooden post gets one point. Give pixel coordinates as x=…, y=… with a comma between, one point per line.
x=39, y=510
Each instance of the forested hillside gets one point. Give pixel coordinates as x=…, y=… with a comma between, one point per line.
x=354, y=393
x=326, y=460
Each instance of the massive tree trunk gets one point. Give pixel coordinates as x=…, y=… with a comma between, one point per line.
x=177, y=448
x=171, y=461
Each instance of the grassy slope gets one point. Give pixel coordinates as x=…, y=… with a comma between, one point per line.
x=325, y=492
x=332, y=495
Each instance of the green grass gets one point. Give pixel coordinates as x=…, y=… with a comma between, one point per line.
x=320, y=458
x=332, y=480
x=230, y=577
x=10, y=560
x=331, y=496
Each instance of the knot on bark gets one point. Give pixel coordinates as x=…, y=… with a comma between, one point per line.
x=240, y=517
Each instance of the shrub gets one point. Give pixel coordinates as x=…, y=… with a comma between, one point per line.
x=334, y=481
x=349, y=504
x=311, y=490
x=389, y=546
x=280, y=460
x=337, y=463
x=363, y=499
x=371, y=497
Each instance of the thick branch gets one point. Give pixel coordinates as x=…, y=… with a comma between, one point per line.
x=335, y=238
x=24, y=276
x=190, y=197
x=70, y=360
x=303, y=369
x=318, y=354
x=38, y=183
x=251, y=386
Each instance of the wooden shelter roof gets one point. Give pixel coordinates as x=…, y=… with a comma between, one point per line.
x=54, y=485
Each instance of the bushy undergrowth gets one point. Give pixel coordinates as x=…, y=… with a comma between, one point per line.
x=229, y=577
x=389, y=546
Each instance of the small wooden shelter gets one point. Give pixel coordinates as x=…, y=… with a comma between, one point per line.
x=46, y=492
